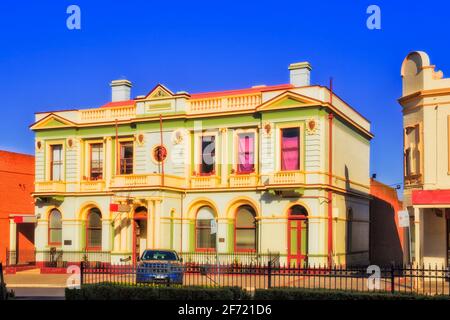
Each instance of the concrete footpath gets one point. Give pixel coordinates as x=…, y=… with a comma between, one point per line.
x=31, y=284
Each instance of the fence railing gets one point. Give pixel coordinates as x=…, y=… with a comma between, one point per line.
x=63, y=258
x=248, y=258
x=406, y=279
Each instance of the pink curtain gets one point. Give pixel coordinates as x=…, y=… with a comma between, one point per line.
x=246, y=154
x=289, y=153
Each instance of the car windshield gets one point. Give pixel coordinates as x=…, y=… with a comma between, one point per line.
x=159, y=255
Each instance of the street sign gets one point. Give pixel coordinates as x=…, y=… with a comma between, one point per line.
x=213, y=226
x=403, y=219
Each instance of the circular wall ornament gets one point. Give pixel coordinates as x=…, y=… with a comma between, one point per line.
x=159, y=153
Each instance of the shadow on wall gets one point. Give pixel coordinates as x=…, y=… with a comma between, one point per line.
x=385, y=235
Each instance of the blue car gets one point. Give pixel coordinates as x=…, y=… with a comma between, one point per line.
x=160, y=266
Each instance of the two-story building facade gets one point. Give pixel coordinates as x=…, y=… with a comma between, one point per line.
x=270, y=170
x=426, y=127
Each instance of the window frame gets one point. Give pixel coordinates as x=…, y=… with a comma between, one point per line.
x=119, y=158
x=199, y=152
x=301, y=149
x=88, y=229
x=49, y=163
x=255, y=228
x=196, y=228
x=418, y=170
x=237, y=134
x=88, y=175
x=50, y=229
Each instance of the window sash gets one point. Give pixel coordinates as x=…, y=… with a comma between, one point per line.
x=126, y=158
x=56, y=162
x=290, y=149
x=208, y=157
x=96, y=163
x=246, y=153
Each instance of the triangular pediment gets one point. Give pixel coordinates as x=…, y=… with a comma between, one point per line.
x=52, y=121
x=288, y=100
x=159, y=92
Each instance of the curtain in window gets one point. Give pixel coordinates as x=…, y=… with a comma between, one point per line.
x=290, y=142
x=246, y=153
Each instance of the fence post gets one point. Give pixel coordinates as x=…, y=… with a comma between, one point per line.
x=269, y=274
x=392, y=278
x=81, y=273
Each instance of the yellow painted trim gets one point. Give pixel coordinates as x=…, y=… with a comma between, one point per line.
x=240, y=201
x=196, y=204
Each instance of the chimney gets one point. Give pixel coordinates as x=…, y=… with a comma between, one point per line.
x=121, y=90
x=300, y=73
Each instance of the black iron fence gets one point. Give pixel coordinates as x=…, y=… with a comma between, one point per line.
x=406, y=279
x=248, y=258
x=3, y=291
x=56, y=258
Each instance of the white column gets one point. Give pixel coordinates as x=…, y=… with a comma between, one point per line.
x=106, y=235
x=419, y=238
x=116, y=231
x=224, y=155
x=108, y=162
x=12, y=235
x=123, y=232
x=150, y=218
x=157, y=223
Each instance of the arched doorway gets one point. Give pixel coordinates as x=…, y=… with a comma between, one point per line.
x=139, y=232
x=297, y=235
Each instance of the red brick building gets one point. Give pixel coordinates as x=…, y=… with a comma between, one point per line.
x=16, y=207
x=386, y=237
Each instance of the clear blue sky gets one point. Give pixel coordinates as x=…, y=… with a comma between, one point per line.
x=213, y=45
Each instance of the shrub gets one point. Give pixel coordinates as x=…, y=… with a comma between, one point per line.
x=108, y=291
x=318, y=294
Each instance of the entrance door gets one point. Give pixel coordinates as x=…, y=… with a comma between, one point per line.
x=297, y=241
x=140, y=238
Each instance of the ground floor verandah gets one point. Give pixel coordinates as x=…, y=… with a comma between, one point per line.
x=244, y=227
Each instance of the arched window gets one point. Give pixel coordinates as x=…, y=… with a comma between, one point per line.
x=205, y=240
x=94, y=229
x=245, y=229
x=55, y=228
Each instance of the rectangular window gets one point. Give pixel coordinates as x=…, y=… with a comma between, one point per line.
x=96, y=164
x=290, y=149
x=412, y=152
x=246, y=153
x=56, y=162
x=208, y=155
x=126, y=157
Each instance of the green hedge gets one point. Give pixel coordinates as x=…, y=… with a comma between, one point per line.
x=4, y=293
x=107, y=291
x=318, y=294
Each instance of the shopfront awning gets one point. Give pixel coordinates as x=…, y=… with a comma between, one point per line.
x=431, y=197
